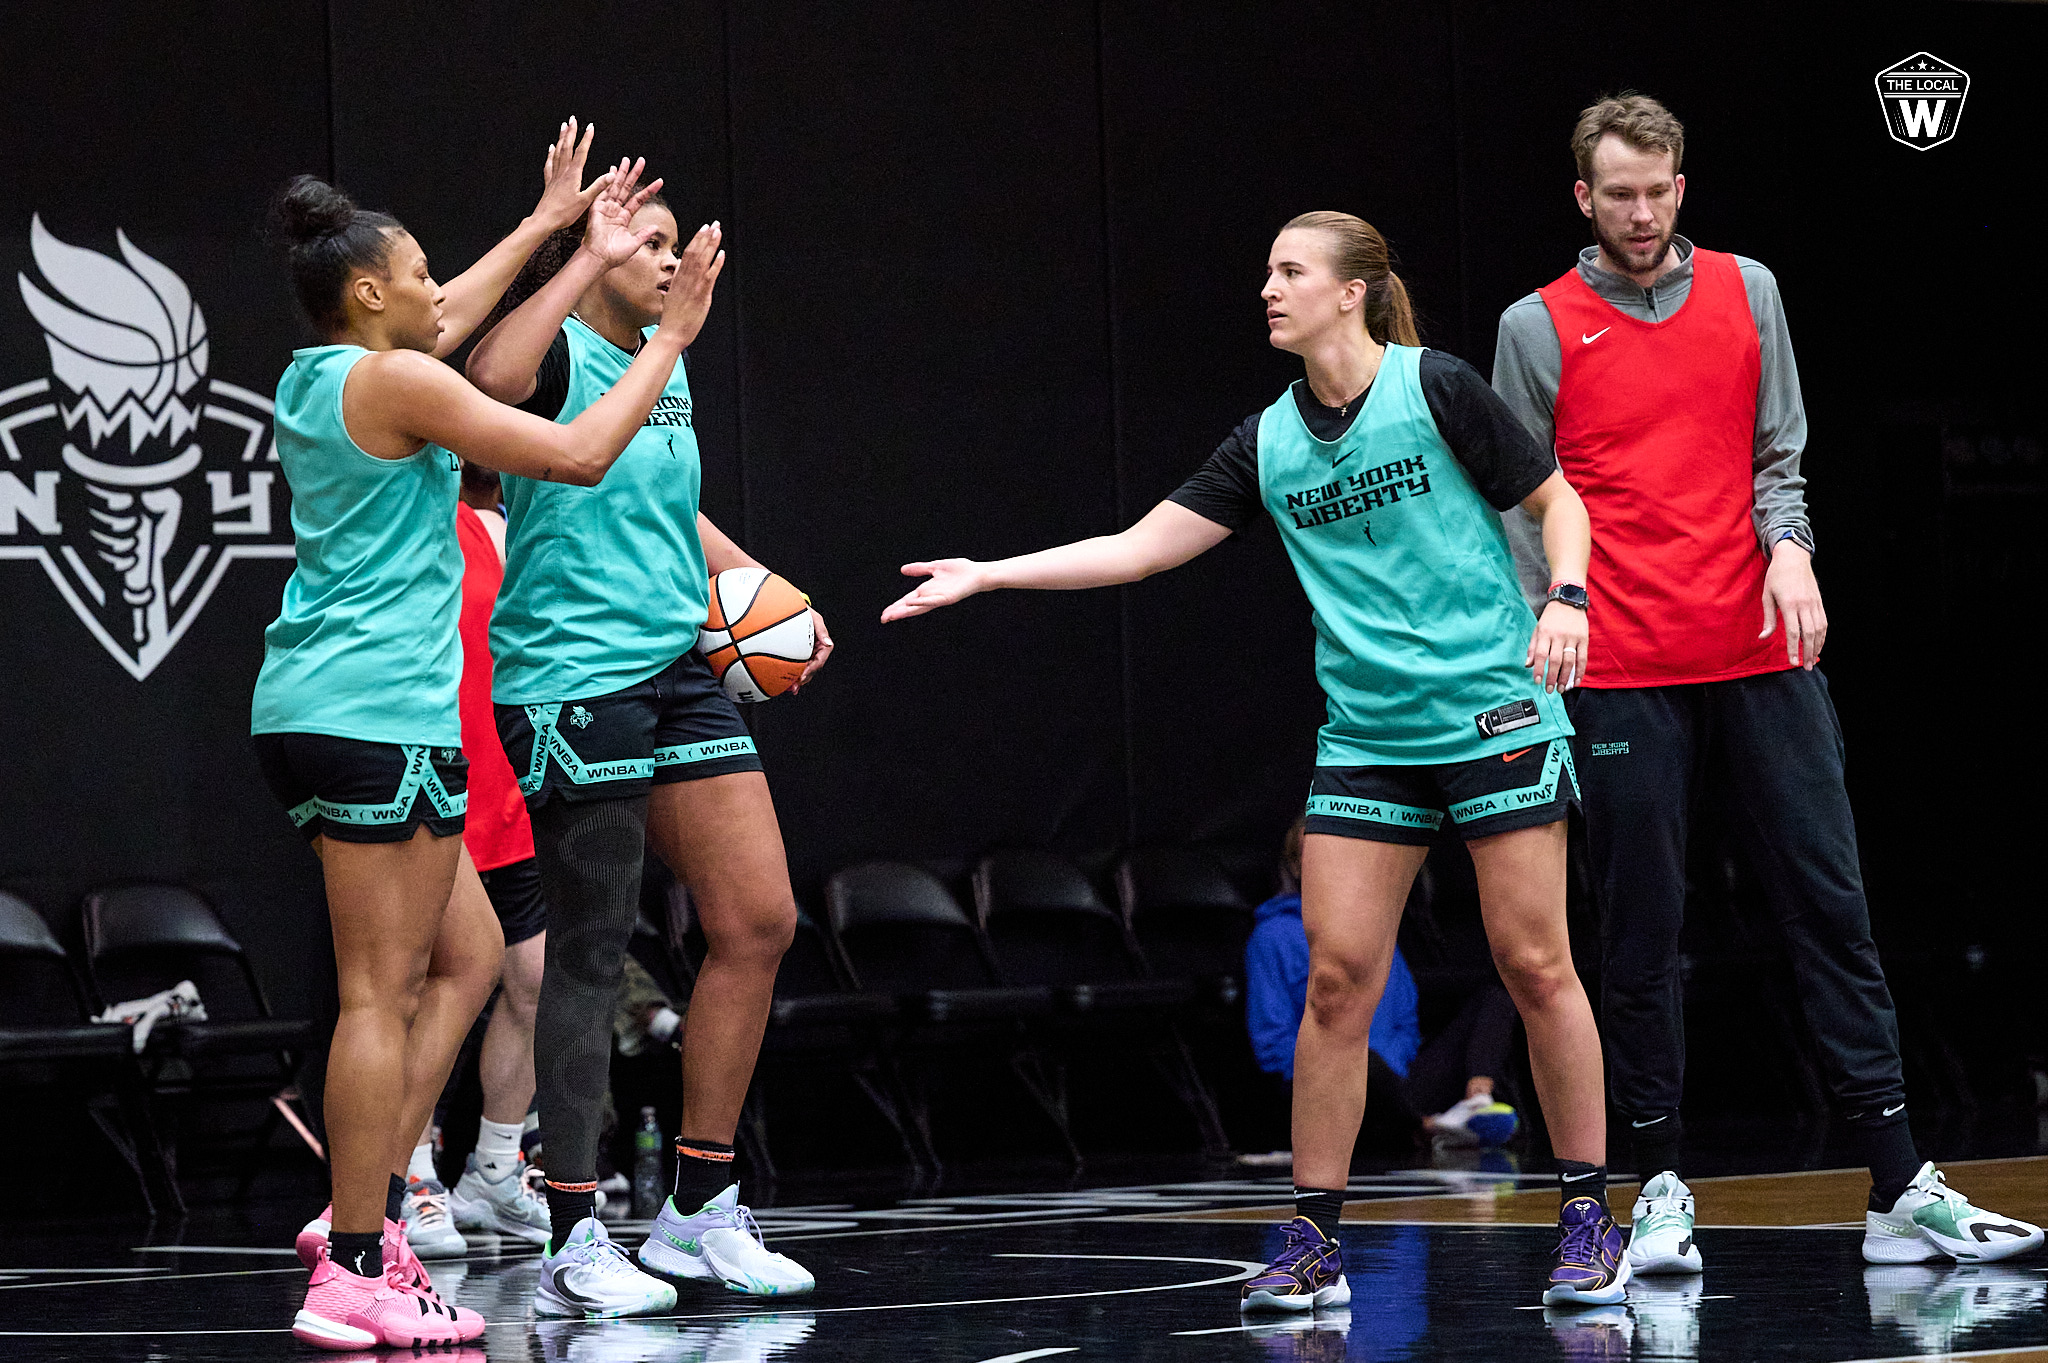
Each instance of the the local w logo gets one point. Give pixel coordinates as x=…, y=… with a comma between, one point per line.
x=1923, y=100
x=129, y=474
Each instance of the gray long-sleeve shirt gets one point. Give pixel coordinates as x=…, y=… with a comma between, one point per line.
x=1528, y=364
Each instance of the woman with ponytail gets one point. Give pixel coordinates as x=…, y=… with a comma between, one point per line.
x=622, y=738
x=355, y=713
x=1384, y=468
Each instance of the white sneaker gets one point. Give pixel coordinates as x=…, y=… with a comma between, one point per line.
x=1660, y=1230
x=720, y=1241
x=1931, y=1219
x=428, y=1227
x=591, y=1276
x=505, y=1205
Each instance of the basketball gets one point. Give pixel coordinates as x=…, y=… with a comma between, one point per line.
x=758, y=634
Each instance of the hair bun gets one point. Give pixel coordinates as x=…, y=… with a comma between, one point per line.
x=307, y=209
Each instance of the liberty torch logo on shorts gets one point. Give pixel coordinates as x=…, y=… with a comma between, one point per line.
x=128, y=473
x=1923, y=100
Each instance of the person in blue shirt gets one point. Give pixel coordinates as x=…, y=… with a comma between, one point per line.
x=1410, y=1078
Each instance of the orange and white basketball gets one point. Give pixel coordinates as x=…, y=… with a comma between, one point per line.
x=758, y=635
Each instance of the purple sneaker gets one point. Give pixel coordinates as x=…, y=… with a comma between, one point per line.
x=1592, y=1262
x=1309, y=1273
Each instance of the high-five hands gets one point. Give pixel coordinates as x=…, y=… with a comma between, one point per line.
x=1557, y=651
x=947, y=580
x=608, y=232
x=689, y=290
x=564, y=198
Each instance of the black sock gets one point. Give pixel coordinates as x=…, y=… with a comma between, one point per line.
x=703, y=1171
x=1321, y=1205
x=1886, y=1145
x=566, y=1207
x=362, y=1255
x=394, y=1199
x=1657, y=1145
x=1576, y=1179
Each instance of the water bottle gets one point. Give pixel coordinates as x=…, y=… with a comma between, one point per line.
x=647, y=1195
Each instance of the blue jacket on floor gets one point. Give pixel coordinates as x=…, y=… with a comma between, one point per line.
x=1276, y=993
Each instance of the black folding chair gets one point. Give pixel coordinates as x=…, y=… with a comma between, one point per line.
x=145, y=937
x=901, y=932
x=46, y=1042
x=1046, y=926
x=1188, y=919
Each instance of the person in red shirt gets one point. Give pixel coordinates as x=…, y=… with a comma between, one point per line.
x=492, y=1194
x=1662, y=376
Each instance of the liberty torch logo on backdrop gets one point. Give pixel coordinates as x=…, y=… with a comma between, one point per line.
x=130, y=475
x=1923, y=100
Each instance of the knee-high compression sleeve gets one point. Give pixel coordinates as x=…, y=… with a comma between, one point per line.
x=590, y=853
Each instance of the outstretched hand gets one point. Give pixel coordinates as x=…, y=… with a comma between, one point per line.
x=608, y=232
x=564, y=197
x=689, y=291
x=947, y=581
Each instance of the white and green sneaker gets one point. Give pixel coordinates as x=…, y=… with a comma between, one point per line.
x=720, y=1242
x=503, y=1206
x=1660, y=1229
x=591, y=1276
x=1931, y=1220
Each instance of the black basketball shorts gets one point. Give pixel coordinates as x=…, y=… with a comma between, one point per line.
x=678, y=725
x=353, y=791
x=1421, y=806
x=517, y=900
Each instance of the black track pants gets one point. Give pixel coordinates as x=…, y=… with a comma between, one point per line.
x=1770, y=748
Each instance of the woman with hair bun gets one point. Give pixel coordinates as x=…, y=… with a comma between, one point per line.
x=1383, y=470
x=355, y=713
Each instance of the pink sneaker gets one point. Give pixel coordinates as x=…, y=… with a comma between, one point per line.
x=405, y=1270
x=334, y=1314
x=406, y=1316
x=312, y=1241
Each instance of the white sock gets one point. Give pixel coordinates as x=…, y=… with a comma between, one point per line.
x=421, y=1167
x=497, y=1147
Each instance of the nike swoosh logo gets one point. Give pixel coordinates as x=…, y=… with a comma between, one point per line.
x=1652, y=1122
x=1574, y=1178
x=1342, y=457
x=1890, y=1110
x=1511, y=756
x=1584, y=339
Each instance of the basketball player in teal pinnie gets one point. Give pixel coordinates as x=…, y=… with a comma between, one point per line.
x=1384, y=470
x=354, y=713
x=621, y=735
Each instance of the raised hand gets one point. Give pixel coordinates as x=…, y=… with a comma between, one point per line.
x=564, y=197
x=947, y=581
x=608, y=232
x=689, y=289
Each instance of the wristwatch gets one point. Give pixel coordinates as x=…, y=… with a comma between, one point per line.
x=1571, y=593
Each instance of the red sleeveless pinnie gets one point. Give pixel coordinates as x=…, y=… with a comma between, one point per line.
x=1656, y=429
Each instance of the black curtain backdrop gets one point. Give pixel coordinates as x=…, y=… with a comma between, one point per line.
x=993, y=286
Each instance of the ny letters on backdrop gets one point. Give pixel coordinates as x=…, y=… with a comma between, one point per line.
x=132, y=475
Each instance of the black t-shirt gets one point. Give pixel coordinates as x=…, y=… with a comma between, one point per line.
x=551, y=380
x=1498, y=454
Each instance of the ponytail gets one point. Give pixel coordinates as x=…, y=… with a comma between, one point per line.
x=1358, y=251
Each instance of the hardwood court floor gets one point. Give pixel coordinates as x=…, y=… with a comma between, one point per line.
x=1442, y=1266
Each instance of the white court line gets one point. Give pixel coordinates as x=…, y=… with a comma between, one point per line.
x=208, y=1249
x=1245, y=1269
x=1034, y=1353
x=1942, y=1357
x=163, y=1278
